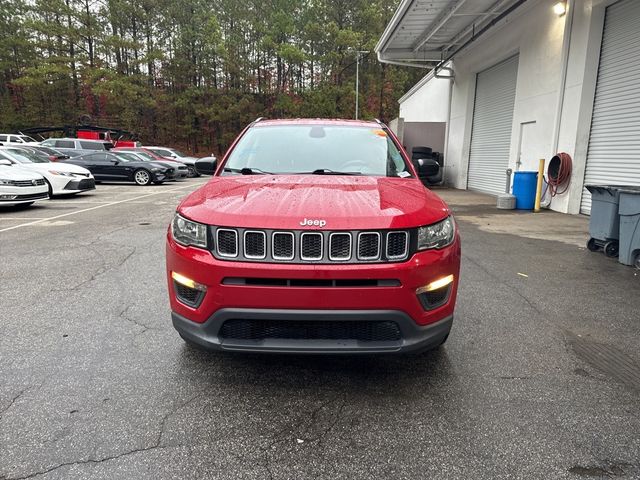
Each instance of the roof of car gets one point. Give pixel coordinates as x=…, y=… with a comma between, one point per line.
x=80, y=139
x=317, y=121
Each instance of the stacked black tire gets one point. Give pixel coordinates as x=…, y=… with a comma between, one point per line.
x=428, y=164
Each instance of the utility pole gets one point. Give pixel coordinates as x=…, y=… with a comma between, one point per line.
x=358, y=53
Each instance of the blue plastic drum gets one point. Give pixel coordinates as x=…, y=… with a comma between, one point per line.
x=524, y=189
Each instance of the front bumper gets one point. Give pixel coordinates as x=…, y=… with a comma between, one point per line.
x=10, y=196
x=414, y=338
x=75, y=186
x=310, y=294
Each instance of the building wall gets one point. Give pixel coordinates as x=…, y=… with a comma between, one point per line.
x=424, y=134
x=537, y=35
x=428, y=102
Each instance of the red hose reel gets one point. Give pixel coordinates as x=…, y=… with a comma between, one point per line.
x=559, y=173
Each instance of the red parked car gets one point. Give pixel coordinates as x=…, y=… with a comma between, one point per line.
x=313, y=236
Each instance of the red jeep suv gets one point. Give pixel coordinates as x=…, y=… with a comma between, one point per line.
x=313, y=236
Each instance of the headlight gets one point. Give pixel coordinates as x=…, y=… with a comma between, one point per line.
x=5, y=182
x=438, y=235
x=186, y=232
x=62, y=174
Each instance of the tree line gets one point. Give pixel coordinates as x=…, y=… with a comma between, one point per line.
x=192, y=73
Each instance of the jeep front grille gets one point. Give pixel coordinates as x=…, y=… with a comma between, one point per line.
x=339, y=246
x=397, y=245
x=227, y=242
x=310, y=246
x=368, y=246
x=282, y=246
x=255, y=244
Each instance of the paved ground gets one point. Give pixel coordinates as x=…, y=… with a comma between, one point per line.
x=540, y=378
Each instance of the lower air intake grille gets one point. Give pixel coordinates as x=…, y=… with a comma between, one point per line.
x=366, y=331
x=189, y=296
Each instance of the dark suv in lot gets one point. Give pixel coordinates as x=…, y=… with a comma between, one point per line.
x=313, y=236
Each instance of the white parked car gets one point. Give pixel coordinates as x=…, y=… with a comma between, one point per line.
x=19, y=186
x=17, y=139
x=61, y=178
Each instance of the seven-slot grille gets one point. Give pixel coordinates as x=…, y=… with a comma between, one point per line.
x=298, y=246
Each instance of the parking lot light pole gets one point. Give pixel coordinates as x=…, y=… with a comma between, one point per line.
x=358, y=53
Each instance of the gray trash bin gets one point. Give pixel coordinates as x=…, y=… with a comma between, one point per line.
x=629, y=210
x=604, y=224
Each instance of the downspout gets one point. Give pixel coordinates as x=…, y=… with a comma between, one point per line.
x=448, y=127
x=566, y=44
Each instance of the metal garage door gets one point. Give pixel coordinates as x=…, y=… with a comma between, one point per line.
x=614, y=145
x=491, y=131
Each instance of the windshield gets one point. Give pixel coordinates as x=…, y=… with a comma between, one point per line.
x=329, y=149
x=126, y=157
x=23, y=156
x=145, y=156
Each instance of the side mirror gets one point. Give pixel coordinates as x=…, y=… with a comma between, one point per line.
x=5, y=162
x=426, y=167
x=115, y=162
x=206, y=166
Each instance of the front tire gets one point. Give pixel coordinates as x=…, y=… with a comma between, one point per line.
x=49, y=187
x=192, y=172
x=142, y=177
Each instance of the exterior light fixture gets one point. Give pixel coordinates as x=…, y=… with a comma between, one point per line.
x=560, y=8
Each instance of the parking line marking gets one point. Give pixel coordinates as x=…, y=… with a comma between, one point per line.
x=97, y=206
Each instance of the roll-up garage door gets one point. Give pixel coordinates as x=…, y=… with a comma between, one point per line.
x=491, y=131
x=613, y=157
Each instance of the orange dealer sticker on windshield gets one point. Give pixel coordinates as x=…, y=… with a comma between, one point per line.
x=380, y=133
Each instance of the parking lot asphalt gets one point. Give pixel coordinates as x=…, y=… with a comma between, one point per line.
x=540, y=377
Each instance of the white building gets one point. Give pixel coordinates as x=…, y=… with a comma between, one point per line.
x=529, y=78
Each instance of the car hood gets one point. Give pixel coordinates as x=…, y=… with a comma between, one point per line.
x=55, y=166
x=157, y=164
x=14, y=172
x=170, y=163
x=343, y=202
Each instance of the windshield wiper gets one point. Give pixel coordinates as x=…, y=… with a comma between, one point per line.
x=328, y=171
x=247, y=171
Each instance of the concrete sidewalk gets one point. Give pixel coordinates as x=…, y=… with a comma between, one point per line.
x=480, y=210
